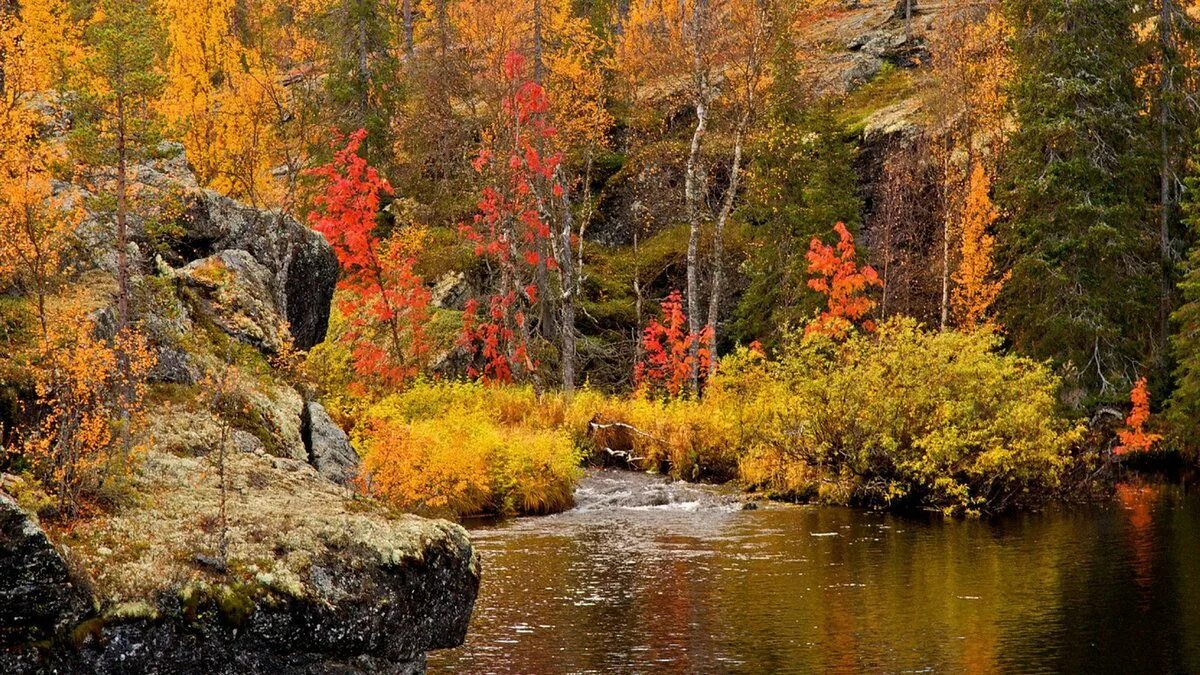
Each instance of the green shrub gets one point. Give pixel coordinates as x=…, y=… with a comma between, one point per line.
x=902, y=417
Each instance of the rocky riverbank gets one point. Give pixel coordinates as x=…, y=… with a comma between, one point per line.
x=286, y=569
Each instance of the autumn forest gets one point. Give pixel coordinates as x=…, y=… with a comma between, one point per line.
x=461, y=258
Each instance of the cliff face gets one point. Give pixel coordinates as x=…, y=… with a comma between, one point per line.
x=286, y=569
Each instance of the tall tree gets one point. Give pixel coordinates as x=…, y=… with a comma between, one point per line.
x=115, y=125
x=752, y=24
x=1173, y=85
x=976, y=282
x=363, y=87
x=1076, y=191
x=1183, y=407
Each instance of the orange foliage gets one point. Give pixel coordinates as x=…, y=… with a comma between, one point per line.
x=975, y=287
x=34, y=230
x=91, y=390
x=1134, y=437
x=667, y=364
x=836, y=274
x=413, y=466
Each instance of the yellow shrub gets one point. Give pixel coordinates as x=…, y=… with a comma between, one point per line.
x=904, y=416
x=469, y=449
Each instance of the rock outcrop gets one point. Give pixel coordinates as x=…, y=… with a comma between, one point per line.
x=187, y=224
x=236, y=546
x=311, y=584
x=300, y=263
x=329, y=448
x=233, y=291
x=38, y=596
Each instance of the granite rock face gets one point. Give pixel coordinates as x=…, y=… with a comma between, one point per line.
x=301, y=265
x=190, y=223
x=328, y=446
x=233, y=291
x=38, y=596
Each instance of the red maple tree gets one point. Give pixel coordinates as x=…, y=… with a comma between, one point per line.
x=836, y=274
x=385, y=302
x=511, y=229
x=666, y=363
x=1134, y=437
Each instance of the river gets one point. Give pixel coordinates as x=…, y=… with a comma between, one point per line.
x=646, y=575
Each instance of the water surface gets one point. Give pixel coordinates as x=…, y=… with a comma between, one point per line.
x=649, y=576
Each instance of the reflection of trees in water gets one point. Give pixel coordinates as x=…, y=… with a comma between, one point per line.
x=1116, y=586
x=1138, y=500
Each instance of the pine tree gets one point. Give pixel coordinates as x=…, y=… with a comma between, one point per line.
x=115, y=124
x=800, y=181
x=362, y=87
x=1183, y=407
x=1076, y=190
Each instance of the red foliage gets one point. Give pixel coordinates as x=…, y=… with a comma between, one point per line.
x=510, y=227
x=385, y=303
x=836, y=274
x=1134, y=437
x=667, y=363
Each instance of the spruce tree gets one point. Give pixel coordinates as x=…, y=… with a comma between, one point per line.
x=1183, y=408
x=1079, y=234
x=363, y=86
x=800, y=182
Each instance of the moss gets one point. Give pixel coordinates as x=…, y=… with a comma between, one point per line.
x=171, y=394
x=89, y=629
x=889, y=87
x=132, y=611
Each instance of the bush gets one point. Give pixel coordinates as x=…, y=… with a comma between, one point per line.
x=469, y=449
x=905, y=417
x=902, y=418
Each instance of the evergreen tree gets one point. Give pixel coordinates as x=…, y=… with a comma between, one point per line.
x=800, y=183
x=1183, y=408
x=363, y=85
x=115, y=122
x=1079, y=236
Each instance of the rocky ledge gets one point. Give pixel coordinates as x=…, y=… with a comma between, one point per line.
x=314, y=581
x=286, y=569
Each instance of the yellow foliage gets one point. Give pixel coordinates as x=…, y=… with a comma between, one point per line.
x=225, y=97
x=35, y=230
x=904, y=417
x=469, y=449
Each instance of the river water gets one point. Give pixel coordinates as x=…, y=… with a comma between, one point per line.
x=645, y=575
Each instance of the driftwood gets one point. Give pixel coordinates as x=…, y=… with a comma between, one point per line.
x=616, y=440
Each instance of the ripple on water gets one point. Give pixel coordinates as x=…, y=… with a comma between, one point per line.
x=650, y=575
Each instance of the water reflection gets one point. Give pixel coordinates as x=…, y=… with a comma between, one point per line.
x=688, y=586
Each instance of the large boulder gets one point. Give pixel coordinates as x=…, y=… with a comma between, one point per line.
x=38, y=594
x=233, y=291
x=187, y=223
x=314, y=581
x=329, y=449
x=302, y=267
